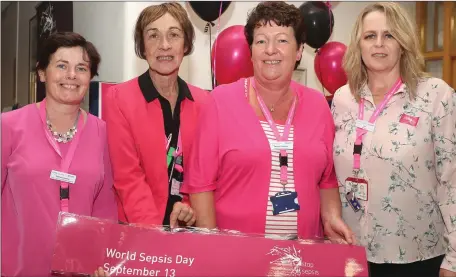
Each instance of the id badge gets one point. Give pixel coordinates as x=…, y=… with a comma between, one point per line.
x=175, y=187
x=284, y=202
x=281, y=145
x=358, y=186
x=354, y=203
x=365, y=125
x=63, y=177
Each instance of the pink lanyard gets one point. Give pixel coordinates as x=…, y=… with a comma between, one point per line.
x=178, y=151
x=65, y=164
x=361, y=132
x=285, y=135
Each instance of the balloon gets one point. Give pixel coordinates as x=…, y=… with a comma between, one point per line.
x=231, y=55
x=210, y=10
x=319, y=23
x=328, y=66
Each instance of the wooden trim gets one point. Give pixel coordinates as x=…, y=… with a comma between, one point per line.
x=433, y=55
x=421, y=23
x=453, y=26
x=435, y=39
x=454, y=74
x=447, y=68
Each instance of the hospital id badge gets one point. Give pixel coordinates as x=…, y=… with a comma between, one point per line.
x=281, y=145
x=358, y=186
x=284, y=202
x=354, y=203
x=175, y=187
x=63, y=177
x=365, y=125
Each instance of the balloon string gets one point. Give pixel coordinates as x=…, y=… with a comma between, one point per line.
x=214, y=79
x=319, y=72
x=208, y=26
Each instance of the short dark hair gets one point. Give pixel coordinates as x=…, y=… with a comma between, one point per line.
x=67, y=40
x=154, y=12
x=280, y=13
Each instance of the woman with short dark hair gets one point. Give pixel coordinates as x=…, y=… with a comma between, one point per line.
x=262, y=157
x=151, y=121
x=54, y=158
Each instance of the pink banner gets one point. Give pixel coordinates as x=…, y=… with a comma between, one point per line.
x=84, y=243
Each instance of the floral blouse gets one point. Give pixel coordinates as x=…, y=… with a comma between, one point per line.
x=409, y=162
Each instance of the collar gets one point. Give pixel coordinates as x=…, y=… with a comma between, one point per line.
x=150, y=93
x=367, y=94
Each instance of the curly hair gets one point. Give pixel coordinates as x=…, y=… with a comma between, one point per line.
x=279, y=12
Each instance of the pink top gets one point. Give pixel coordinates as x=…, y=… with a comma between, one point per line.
x=232, y=157
x=30, y=199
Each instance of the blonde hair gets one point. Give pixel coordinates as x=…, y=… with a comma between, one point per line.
x=405, y=33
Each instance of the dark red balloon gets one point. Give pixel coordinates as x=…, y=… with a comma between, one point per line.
x=328, y=66
x=231, y=56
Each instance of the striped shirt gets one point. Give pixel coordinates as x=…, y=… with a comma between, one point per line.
x=282, y=224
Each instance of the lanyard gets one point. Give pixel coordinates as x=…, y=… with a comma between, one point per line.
x=361, y=132
x=178, y=152
x=66, y=161
x=286, y=132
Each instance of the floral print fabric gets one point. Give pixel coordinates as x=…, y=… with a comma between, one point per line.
x=410, y=214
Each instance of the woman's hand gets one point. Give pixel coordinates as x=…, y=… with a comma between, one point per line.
x=100, y=273
x=446, y=273
x=182, y=212
x=337, y=231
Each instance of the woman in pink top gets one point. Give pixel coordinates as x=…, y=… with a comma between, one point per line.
x=241, y=176
x=44, y=143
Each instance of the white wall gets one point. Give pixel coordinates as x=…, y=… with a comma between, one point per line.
x=110, y=26
x=102, y=23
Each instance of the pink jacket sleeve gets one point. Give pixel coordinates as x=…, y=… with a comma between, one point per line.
x=328, y=180
x=203, y=164
x=134, y=193
x=104, y=205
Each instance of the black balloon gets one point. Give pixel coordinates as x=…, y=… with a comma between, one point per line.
x=319, y=22
x=209, y=11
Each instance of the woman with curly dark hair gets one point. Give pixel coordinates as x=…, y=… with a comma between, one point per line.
x=262, y=158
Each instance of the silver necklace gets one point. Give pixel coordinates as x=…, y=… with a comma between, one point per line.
x=64, y=137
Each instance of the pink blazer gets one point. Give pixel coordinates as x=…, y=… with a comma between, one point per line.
x=136, y=138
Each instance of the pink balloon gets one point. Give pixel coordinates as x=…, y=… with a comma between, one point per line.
x=328, y=66
x=232, y=55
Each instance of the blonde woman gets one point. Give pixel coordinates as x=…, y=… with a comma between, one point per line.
x=395, y=149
